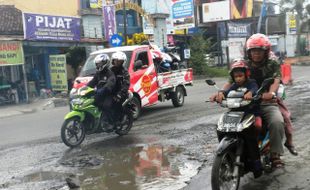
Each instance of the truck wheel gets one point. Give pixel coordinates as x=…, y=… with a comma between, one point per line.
x=178, y=97
x=136, y=108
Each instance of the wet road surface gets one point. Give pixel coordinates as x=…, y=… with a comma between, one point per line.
x=168, y=148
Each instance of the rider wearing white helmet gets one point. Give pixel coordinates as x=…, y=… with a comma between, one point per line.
x=119, y=59
x=120, y=93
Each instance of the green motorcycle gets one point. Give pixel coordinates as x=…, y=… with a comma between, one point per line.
x=85, y=118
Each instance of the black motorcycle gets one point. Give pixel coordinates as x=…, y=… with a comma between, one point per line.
x=230, y=162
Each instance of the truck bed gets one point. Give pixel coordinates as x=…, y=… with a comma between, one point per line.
x=174, y=78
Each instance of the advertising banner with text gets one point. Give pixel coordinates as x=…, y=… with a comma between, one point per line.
x=58, y=72
x=183, y=14
x=109, y=21
x=48, y=27
x=238, y=29
x=11, y=53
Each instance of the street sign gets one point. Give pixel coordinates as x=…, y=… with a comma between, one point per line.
x=116, y=40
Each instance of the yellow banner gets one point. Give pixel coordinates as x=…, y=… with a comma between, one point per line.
x=292, y=21
x=95, y=4
x=180, y=31
x=58, y=72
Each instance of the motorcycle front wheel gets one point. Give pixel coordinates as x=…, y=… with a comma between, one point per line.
x=72, y=132
x=126, y=124
x=222, y=173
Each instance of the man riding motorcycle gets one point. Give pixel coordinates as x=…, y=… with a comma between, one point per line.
x=261, y=67
x=120, y=92
x=104, y=80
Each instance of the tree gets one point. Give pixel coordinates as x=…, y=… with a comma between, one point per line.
x=75, y=56
x=302, y=8
x=199, y=47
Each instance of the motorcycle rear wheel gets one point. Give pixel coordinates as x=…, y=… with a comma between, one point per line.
x=222, y=173
x=72, y=132
x=125, y=127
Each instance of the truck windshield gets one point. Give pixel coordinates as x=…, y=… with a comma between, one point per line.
x=89, y=67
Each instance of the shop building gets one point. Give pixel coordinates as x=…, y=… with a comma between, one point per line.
x=34, y=73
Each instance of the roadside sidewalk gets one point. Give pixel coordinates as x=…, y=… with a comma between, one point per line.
x=35, y=105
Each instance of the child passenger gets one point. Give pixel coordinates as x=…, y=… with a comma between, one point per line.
x=240, y=75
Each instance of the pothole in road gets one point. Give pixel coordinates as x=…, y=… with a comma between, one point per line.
x=140, y=167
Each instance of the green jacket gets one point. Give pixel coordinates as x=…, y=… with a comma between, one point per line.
x=270, y=69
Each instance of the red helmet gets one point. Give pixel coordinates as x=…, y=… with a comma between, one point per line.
x=241, y=65
x=258, y=41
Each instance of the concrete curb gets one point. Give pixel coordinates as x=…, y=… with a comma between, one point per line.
x=40, y=104
x=55, y=102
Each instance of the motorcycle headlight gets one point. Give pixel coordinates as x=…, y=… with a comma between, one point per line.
x=77, y=101
x=73, y=93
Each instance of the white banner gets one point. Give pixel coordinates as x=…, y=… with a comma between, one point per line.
x=236, y=48
x=216, y=11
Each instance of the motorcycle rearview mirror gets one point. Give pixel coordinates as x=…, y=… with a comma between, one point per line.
x=265, y=85
x=212, y=83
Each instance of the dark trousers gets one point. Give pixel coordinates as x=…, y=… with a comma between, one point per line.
x=117, y=110
x=251, y=144
x=104, y=103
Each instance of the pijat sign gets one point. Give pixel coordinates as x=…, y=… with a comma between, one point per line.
x=48, y=27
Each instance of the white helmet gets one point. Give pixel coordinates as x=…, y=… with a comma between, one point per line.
x=119, y=56
x=102, y=61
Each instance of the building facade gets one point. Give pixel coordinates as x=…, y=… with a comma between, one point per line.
x=44, y=28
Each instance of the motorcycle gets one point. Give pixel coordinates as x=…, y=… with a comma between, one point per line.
x=230, y=162
x=174, y=57
x=86, y=118
x=8, y=94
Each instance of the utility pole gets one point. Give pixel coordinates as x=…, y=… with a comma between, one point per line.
x=262, y=12
x=125, y=22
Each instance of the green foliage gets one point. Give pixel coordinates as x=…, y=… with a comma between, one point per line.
x=75, y=56
x=216, y=72
x=199, y=48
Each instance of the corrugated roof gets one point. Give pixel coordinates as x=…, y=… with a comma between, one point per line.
x=11, y=20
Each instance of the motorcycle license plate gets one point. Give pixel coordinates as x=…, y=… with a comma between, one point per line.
x=231, y=122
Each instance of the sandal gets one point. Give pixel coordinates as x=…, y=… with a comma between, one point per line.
x=291, y=148
x=276, y=162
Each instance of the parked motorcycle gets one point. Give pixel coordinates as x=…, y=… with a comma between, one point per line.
x=174, y=59
x=8, y=94
x=230, y=162
x=86, y=118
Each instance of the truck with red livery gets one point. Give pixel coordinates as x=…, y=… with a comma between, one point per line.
x=148, y=86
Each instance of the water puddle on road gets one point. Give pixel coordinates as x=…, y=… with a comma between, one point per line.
x=141, y=167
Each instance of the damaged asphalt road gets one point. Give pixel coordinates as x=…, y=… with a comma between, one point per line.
x=168, y=148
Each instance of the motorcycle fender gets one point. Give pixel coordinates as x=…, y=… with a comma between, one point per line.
x=71, y=114
x=225, y=144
